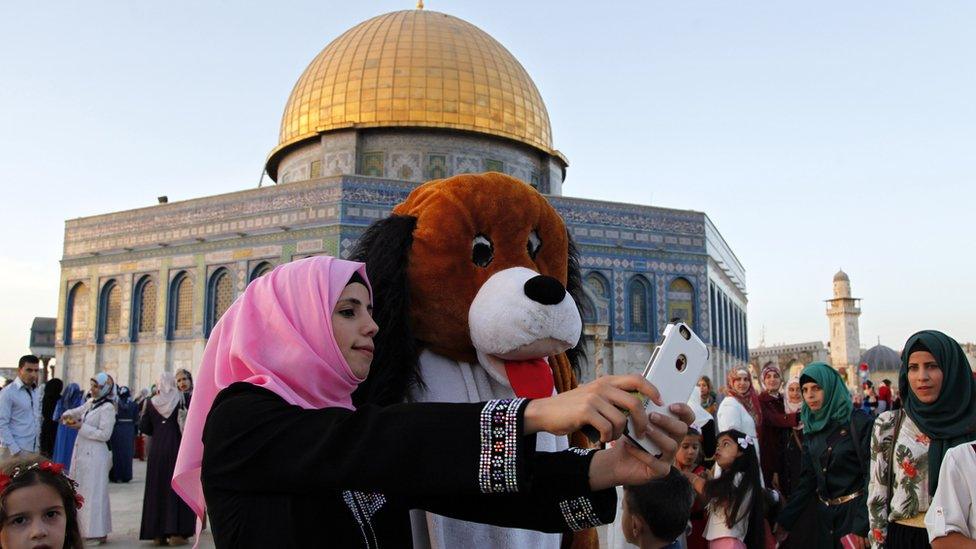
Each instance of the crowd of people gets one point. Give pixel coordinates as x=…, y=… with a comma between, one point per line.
x=811, y=463
x=94, y=436
x=275, y=443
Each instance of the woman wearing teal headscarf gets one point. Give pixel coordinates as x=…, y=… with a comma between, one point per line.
x=938, y=389
x=834, y=470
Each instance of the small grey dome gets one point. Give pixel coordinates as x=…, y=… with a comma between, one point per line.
x=881, y=358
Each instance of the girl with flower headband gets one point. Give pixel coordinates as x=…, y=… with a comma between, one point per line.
x=736, y=501
x=38, y=505
x=835, y=460
x=275, y=452
x=91, y=459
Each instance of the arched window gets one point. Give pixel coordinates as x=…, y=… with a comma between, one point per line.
x=180, y=306
x=76, y=314
x=109, y=311
x=637, y=301
x=588, y=309
x=598, y=285
x=681, y=301
x=260, y=270
x=220, y=294
x=143, y=308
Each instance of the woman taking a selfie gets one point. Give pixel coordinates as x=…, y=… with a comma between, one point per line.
x=277, y=454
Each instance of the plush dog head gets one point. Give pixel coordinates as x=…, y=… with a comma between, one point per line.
x=471, y=267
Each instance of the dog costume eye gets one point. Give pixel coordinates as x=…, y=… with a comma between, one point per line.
x=482, y=251
x=533, y=244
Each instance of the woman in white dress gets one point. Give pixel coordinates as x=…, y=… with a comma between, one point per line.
x=740, y=409
x=92, y=458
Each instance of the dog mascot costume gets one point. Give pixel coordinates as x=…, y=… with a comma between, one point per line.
x=474, y=279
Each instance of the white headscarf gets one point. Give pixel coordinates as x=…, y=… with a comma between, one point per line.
x=168, y=397
x=792, y=408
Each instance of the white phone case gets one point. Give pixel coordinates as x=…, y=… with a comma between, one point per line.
x=674, y=368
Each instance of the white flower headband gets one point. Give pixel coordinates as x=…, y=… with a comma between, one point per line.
x=745, y=441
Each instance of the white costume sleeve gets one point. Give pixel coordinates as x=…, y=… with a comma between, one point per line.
x=951, y=509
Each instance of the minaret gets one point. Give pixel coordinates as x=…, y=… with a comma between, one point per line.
x=845, y=342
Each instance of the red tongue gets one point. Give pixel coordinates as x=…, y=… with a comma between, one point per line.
x=530, y=378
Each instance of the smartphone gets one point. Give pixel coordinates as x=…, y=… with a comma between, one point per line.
x=674, y=368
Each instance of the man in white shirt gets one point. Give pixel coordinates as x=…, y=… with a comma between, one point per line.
x=20, y=410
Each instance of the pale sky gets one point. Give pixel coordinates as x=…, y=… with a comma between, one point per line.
x=816, y=135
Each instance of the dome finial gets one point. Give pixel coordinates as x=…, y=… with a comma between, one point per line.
x=420, y=4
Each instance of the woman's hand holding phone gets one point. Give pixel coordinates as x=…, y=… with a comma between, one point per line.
x=626, y=464
x=604, y=404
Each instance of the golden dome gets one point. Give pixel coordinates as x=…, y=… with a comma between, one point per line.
x=415, y=68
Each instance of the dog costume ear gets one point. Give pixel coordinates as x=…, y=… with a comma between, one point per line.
x=566, y=366
x=385, y=248
x=574, y=287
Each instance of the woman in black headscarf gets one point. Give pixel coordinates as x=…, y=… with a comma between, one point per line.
x=939, y=393
x=49, y=427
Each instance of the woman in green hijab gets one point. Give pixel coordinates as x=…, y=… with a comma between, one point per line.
x=908, y=445
x=834, y=469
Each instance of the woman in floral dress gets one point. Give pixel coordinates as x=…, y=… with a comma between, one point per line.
x=939, y=412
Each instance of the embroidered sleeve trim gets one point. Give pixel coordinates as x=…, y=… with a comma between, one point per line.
x=498, y=465
x=578, y=513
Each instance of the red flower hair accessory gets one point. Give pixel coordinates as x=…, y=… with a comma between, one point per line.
x=45, y=466
x=51, y=467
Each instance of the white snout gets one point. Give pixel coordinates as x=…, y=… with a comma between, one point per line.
x=507, y=324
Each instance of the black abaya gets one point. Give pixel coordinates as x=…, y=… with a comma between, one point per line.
x=163, y=512
x=49, y=427
x=276, y=475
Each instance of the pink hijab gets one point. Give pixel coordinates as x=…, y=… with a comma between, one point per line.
x=277, y=335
